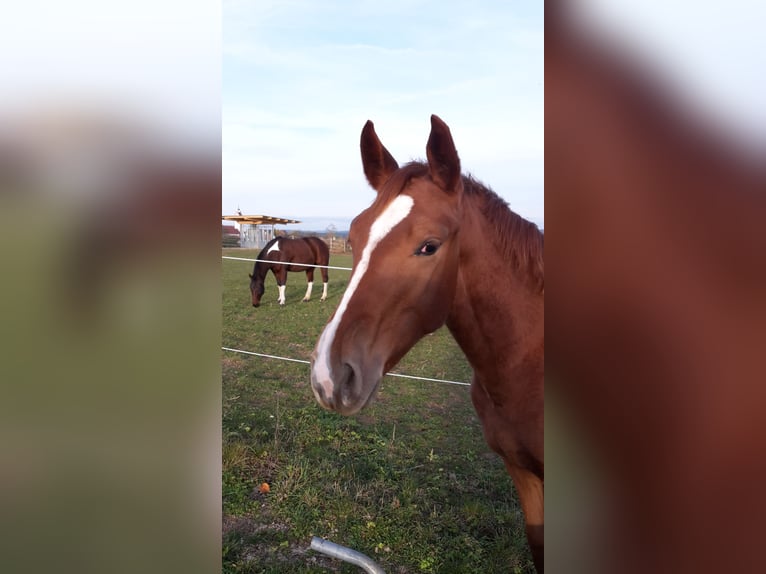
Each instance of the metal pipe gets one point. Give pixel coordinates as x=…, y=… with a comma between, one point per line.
x=346, y=554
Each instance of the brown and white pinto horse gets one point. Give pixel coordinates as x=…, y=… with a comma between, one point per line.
x=438, y=233
x=282, y=255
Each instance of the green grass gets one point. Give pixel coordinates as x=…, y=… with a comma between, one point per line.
x=408, y=481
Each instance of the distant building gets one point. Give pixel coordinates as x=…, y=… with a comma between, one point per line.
x=255, y=231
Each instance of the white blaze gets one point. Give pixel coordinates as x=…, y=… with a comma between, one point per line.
x=395, y=212
x=274, y=247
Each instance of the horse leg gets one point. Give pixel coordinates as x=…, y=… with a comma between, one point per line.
x=281, y=277
x=324, y=284
x=530, y=489
x=529, y=485
x=309, y=283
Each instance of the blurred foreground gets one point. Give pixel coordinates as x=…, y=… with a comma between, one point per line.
x=656, y=306
x=109, y=201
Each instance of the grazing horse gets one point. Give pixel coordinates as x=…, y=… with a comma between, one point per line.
x=460, y=256
x=283, y=255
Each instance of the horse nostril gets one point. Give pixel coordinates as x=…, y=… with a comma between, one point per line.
x=347, y=382
x=319, y=392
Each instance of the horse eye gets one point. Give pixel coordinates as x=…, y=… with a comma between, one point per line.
x=428, y=248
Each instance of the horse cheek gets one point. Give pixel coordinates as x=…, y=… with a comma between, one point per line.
x=439, y=296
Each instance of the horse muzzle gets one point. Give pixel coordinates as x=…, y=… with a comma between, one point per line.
x=347, y=390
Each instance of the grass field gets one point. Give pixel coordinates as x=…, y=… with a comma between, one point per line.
x=409, y=481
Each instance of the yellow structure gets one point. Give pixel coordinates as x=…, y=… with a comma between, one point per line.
x=257, y=230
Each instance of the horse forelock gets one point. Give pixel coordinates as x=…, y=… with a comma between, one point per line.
x=394, y=186
x=399, y=180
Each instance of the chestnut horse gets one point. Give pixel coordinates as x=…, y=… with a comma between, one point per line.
x=460, y=256
x=285, y=255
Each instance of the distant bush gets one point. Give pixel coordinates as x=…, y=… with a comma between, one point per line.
x=230, y=240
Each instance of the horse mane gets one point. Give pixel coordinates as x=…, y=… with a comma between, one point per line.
x=518, y=240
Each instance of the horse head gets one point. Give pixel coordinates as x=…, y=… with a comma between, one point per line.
x=404, y=274
x=256, y=288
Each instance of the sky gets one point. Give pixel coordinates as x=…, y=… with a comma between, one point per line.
x=288, y=84
x=300, y=79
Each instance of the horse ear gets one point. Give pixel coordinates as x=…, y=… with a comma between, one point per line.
x=250, y=275
x=443, y=161
x=378, y=163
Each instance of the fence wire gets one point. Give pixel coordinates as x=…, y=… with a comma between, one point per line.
x=400, y=375
x=295, y=264
x=266, y=356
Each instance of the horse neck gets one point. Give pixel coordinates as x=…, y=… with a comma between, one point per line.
x=497, y=314
x=260, y=270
